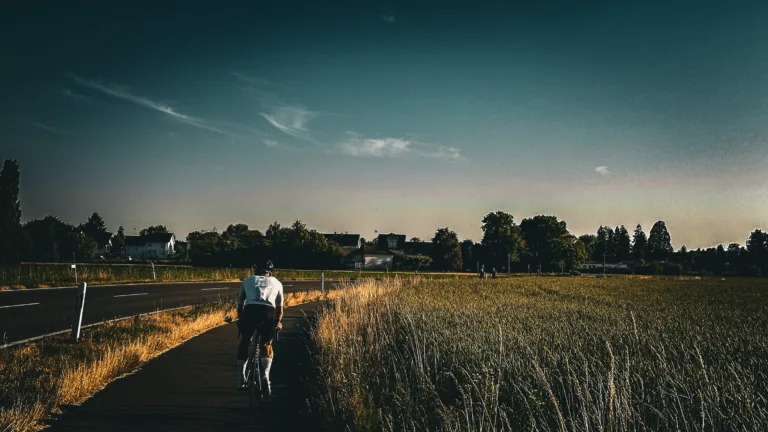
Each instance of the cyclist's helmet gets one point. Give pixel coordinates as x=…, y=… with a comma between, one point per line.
x=264, y=270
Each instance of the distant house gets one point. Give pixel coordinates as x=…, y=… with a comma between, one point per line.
x=103, y=243
x=151, y=246
x=369, y=258
x=390, y=241
x=345, y=241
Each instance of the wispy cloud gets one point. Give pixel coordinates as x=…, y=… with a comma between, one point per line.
x=46, y=127
x=271, y=143
x=438, y=151
x=389, y=18
x=121, y=93
x=292, y=120
x=357, y=145
x=72, y=95
x=603, y=170
x=34, y=124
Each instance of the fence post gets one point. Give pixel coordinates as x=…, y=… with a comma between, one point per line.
x=79, y=307
x=322, y=281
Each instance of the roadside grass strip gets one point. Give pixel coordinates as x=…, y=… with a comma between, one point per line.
x=39, y=377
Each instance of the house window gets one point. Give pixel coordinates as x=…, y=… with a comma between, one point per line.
x=392, y=243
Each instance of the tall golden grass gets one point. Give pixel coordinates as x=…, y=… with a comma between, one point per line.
x=538, y=354
x=38, y=378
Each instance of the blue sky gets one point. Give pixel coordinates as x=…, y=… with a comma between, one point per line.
x=391, y=116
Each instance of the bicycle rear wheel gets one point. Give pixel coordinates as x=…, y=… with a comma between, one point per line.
x=254, y=383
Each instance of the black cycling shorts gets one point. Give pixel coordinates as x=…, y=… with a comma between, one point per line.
x=259, y=317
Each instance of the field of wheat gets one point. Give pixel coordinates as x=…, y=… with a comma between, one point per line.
x=546, y=354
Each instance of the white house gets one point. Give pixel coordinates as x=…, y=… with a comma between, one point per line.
x=369, y=258
x=151, y=246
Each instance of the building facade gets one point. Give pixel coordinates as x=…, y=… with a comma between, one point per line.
x=151, y=246
x=369, y=259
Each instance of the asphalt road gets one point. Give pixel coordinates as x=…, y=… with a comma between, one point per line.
x=192, y=388
x=29, y=313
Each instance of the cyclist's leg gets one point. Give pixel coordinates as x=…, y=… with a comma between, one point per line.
x=266, y=353
x=247, y=325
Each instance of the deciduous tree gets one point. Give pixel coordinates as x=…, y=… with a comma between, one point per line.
x=501, y=237
x=589, y=244
x=154, y=229
x=446, y=253
x=544, y=238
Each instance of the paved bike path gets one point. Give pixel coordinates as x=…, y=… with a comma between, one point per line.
x=192, y=388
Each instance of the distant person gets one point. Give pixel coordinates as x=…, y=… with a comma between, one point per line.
x=494, y=273
x=259, y=306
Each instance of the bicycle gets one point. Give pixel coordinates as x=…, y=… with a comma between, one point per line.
x=253, y=372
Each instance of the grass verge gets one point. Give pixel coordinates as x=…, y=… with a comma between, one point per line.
x=38, y=378
x=541, y=354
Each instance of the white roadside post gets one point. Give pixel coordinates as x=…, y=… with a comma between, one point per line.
x=154, y=277
x=74, y=267
x=79, y=307
x=322, y=281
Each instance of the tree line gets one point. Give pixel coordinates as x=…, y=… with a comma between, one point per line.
x=295, y=246
x=539, y=243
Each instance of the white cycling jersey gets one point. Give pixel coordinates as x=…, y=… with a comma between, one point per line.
x=261, y=290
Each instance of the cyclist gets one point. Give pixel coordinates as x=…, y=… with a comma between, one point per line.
x=259, y=306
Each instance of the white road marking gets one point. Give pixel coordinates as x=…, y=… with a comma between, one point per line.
x=19, y=305
x=211, y=289
x=129, y=295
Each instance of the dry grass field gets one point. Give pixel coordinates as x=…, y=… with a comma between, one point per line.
x=545, y=354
